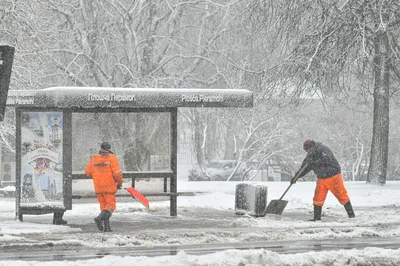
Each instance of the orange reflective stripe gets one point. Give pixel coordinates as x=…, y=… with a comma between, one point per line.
x=320, y=203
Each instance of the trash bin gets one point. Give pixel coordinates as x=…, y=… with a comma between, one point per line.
x=251, y=199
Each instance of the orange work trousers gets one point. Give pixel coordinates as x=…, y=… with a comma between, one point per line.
x=107, y=201
x=335, y=185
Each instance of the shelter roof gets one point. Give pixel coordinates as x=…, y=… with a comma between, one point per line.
x=100, y=97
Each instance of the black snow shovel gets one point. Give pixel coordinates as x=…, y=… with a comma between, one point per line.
x=277, y=206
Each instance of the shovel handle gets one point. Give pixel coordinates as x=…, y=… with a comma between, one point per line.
x=295, y=178
x=284, y=193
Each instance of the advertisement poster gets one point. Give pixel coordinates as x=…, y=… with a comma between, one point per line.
x=41, y=159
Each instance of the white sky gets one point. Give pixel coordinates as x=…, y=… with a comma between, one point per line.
x=373, y=205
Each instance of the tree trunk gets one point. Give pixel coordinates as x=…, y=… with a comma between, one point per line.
x=380, y=134
x=356, y=165
x=229, y=145
x=198, y=140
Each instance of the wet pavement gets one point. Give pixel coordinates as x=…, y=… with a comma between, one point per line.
x=48, y=253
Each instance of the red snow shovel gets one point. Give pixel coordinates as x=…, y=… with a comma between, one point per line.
x=138, y=196
x=277, y=206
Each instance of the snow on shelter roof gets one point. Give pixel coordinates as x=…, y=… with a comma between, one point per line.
x=94, y=97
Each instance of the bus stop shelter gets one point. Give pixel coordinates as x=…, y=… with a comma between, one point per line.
x=47, y=143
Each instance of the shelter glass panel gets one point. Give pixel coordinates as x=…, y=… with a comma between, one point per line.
x=140, y=140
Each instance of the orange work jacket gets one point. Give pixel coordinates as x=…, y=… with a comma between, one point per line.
x=105, y=171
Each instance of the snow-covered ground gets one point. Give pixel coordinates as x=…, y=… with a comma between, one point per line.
x=377, y=211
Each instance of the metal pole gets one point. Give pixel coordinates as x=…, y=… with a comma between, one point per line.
x=174, y=151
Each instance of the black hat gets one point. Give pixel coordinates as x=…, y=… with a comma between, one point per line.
x=105, y=146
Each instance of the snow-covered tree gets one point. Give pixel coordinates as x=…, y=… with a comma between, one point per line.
x=337, y=47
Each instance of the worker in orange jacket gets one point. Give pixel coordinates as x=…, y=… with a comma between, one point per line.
x=321, y=160
x=107, y=179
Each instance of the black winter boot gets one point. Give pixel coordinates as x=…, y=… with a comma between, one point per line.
x=99, y=220
x=317, y=213
x=57, y=218
x=349, y=210
x=107, y=227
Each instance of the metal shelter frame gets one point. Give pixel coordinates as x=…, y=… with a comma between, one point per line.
x=69, y=100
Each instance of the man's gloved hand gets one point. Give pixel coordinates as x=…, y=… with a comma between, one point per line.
x=119, y=186
x=293, y=180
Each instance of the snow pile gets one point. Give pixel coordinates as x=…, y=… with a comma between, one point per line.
x=368, y=256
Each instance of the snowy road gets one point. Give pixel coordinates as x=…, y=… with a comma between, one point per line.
x=284, y=247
